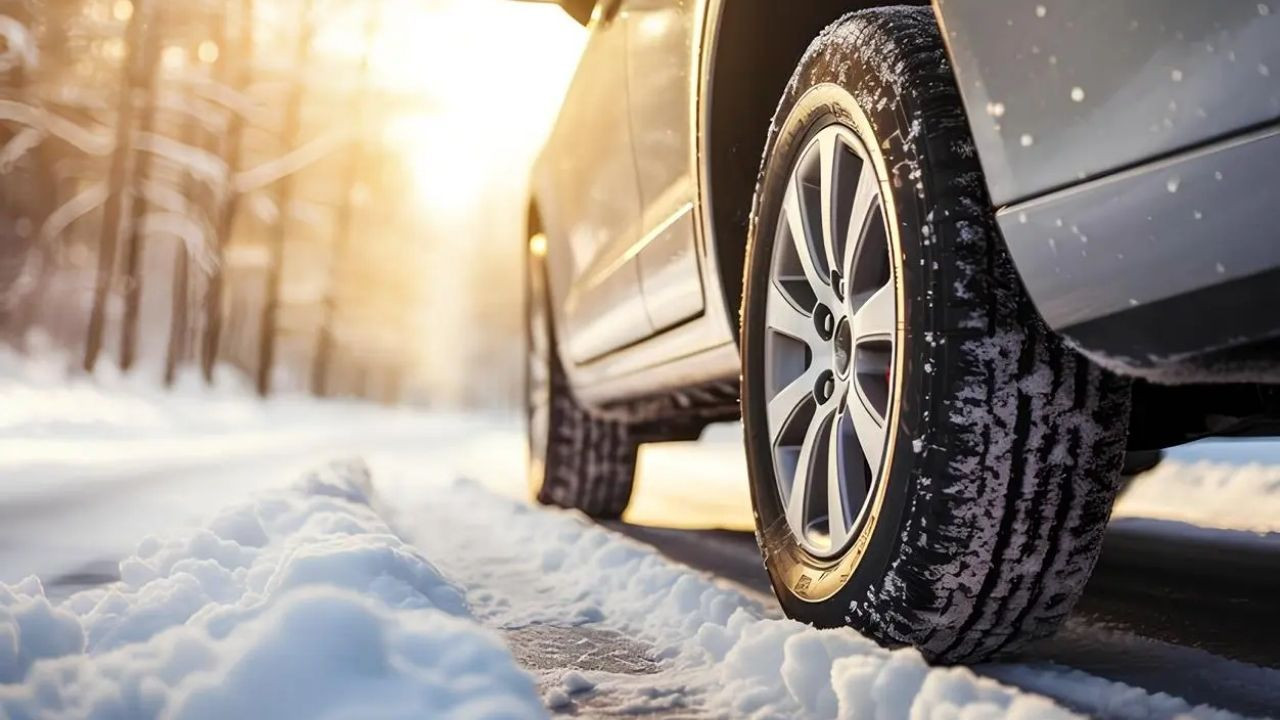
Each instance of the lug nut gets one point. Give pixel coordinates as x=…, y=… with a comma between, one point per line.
x=825, y=387
x=824, y=321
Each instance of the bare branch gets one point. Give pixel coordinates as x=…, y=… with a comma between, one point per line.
x=22, y=143
x=309, y=154
x=229, y=98
x=77, y=207
x=94, y=141
x=201, y=163
x=193, y=234
x=165, y=196
x=209, y=115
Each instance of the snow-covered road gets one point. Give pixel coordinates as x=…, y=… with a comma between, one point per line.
x=206, y=556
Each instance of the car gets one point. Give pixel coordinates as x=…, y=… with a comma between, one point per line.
x=948, y=263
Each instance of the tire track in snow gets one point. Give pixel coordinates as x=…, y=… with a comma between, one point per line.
x=582, y=664
x=1171, y=608
x=632, y=632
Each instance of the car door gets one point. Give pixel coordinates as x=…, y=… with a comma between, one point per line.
x=596, y=198
x=661, y=76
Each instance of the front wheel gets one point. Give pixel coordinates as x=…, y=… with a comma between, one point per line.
x=928, y=462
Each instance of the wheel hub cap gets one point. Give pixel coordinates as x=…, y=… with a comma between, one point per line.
x=831, y=319
x=843, y=347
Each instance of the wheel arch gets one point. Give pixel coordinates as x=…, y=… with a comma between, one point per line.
x=762, y=40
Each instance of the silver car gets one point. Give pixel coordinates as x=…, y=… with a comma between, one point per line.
x=950, y=264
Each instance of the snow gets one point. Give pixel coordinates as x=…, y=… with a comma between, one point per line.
x=385, y=586
x=718, y=651
x=1100, y=698
x=20, y=47
x=299, y=604
x=240, y=618
x=89, y=466
x=1227, y=485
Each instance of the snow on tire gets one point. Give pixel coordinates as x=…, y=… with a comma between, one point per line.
x=1004, y=445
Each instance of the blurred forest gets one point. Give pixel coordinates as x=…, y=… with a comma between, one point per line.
x=194, y=185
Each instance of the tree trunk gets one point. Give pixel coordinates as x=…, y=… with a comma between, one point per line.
x=200, y=202
x=116, y=207
x=133, y=247
x=346, y=210
x=229, y=203
x=178, y=317
x=179, y=321
x=267, y=327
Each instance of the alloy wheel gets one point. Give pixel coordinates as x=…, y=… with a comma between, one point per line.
x=831, y=333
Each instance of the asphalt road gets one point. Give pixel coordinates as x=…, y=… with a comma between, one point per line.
x=1170, y=608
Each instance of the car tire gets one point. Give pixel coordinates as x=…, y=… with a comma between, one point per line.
x=575, y=460
x=1000, y=447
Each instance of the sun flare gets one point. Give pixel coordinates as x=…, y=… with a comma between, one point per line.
x=481, y=79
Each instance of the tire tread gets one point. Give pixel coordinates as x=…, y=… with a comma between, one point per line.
x=1018, y=467
x=590, y=462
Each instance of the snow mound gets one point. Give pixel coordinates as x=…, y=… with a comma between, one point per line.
x=299, y=604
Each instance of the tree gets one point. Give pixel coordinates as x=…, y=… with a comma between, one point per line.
x=267, y=328
x=117, y=205
x=229, y=203
x=321, y=361
x=200, y=201
x=133, y=246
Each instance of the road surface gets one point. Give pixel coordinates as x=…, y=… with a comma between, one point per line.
x=1174, y=607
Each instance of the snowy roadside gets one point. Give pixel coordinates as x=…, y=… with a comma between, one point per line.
x=402, y=592
x=715, y=651
x=302, y=602
x=90, y=465
x=298, y=604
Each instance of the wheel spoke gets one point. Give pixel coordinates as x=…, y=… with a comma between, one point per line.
x=828, y=146
x=809, y=463
x=783, y=405
x=783, y=316
x=876, y=314
x=865, y=198
x=841, y=473
x=805, y=245
x=795, y=364
x=869, y=429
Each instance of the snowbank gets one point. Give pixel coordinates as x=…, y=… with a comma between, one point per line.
x=299, y=604
x=1230, y=491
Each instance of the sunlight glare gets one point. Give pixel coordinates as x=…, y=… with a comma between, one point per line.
x=489, y=76
x=208, y=52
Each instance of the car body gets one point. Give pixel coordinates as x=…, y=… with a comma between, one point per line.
x=1132, y=152
x=955, y=266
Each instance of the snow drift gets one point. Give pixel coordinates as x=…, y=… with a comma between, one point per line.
x=299, y=604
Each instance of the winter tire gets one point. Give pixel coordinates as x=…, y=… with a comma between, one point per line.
x=928, y=463
x=576, y=460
